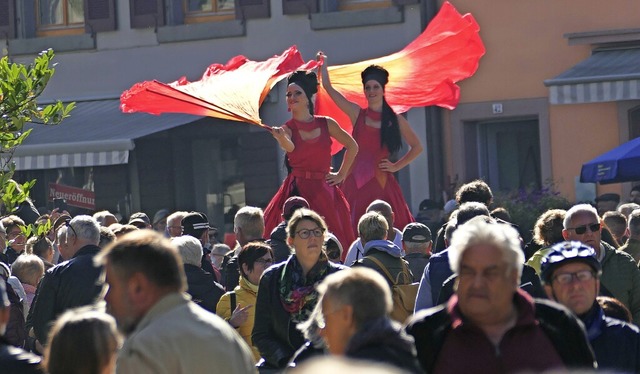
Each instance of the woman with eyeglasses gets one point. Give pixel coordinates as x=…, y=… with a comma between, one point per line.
x=307, y=140
x=238, y=306
x=287, y=292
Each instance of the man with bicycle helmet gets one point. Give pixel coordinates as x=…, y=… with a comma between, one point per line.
x=571, y=273
x=620, y=273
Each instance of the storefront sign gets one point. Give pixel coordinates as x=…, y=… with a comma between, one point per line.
x=74, y=196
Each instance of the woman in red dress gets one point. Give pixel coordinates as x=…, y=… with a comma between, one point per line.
x=307, y=140
x=379, y=132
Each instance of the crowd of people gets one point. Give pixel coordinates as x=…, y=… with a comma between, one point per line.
x=163, y=296
x=335, y=266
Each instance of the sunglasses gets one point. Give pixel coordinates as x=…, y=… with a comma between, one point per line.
x=67, y=222
x=594, y=227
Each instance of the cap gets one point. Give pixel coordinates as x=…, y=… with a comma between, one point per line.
x=293, y=203
x=140, y=216
x=194, y=223
x=429, y=204
x=160, y=215
x=416, y=232
x=138, y=222
x=450, y=206
x=565, y=252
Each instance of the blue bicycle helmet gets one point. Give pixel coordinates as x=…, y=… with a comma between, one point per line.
x=565, y=252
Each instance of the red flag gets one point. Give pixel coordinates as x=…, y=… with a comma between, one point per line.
x=233, y=91
x=424, y=73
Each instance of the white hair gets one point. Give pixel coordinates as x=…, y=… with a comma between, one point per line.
x=479, y=232
x=577, y=210
x=190, y=249
x=86, y=228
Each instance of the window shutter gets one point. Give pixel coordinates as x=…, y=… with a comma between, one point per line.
x=251, y=9
x=406, y=2
x=7, y=19
x=299, y=6
x=146, y=13
x=99, y=15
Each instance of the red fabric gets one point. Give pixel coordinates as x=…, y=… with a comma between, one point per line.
x=367, y=182
x=312, y=157
x=423, y=73
x=233, y=91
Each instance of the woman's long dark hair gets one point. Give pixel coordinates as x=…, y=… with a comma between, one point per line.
x=389, y=129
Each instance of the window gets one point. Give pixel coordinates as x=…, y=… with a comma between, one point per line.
x=208, y=10
x=57, y=15
x=68, y=17
x=363, y=4
x=7, y=18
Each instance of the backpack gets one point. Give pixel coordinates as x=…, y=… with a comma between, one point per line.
x=403, y=295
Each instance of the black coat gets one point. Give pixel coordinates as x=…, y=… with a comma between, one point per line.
x=67, y=285
x=17, y=361
x=383, y=341
x=203, y=288
x=274, y=334
x=278, y=243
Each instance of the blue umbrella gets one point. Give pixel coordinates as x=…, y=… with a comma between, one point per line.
x=621, y=164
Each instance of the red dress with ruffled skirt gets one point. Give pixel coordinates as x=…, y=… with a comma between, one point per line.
x=310, y=162
x=367, y=182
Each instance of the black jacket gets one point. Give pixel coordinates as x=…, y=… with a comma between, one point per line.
x=17, y=361
x=274, y=334
x=203, y=288
x=430, y=327
x=385, y=342
x=278, y=243
x=70, y=284
x=615, y=343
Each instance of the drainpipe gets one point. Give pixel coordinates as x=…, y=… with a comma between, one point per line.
x=433, y=114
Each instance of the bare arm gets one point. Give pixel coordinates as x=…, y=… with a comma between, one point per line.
x=350, y=108
x=415, y=148
x=283, y=136
x=345, y=139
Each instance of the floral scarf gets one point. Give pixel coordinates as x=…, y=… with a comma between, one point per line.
x=298, y=294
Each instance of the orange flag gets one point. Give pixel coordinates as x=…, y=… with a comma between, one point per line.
x=424, y=73
x=233, y=91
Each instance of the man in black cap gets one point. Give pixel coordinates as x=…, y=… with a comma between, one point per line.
x=140, y=220
x=13, y=360
x=196, y=224
x=416, y=242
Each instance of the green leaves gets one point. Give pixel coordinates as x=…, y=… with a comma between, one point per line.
x=14, y=194
x=20, y=86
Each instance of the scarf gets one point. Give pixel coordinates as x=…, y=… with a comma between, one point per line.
x=298, y=294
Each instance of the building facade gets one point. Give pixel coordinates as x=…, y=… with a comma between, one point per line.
x=143, y=162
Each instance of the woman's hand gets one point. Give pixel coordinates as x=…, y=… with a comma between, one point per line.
x=239, y=316
x=279, y=133
x=334, y=179
x=388, y=166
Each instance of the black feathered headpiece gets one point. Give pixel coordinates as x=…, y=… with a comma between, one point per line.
x=377, y=73
x=308, y=81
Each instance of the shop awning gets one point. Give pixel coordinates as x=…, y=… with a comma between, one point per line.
x=608, y=75
x=96, y=134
